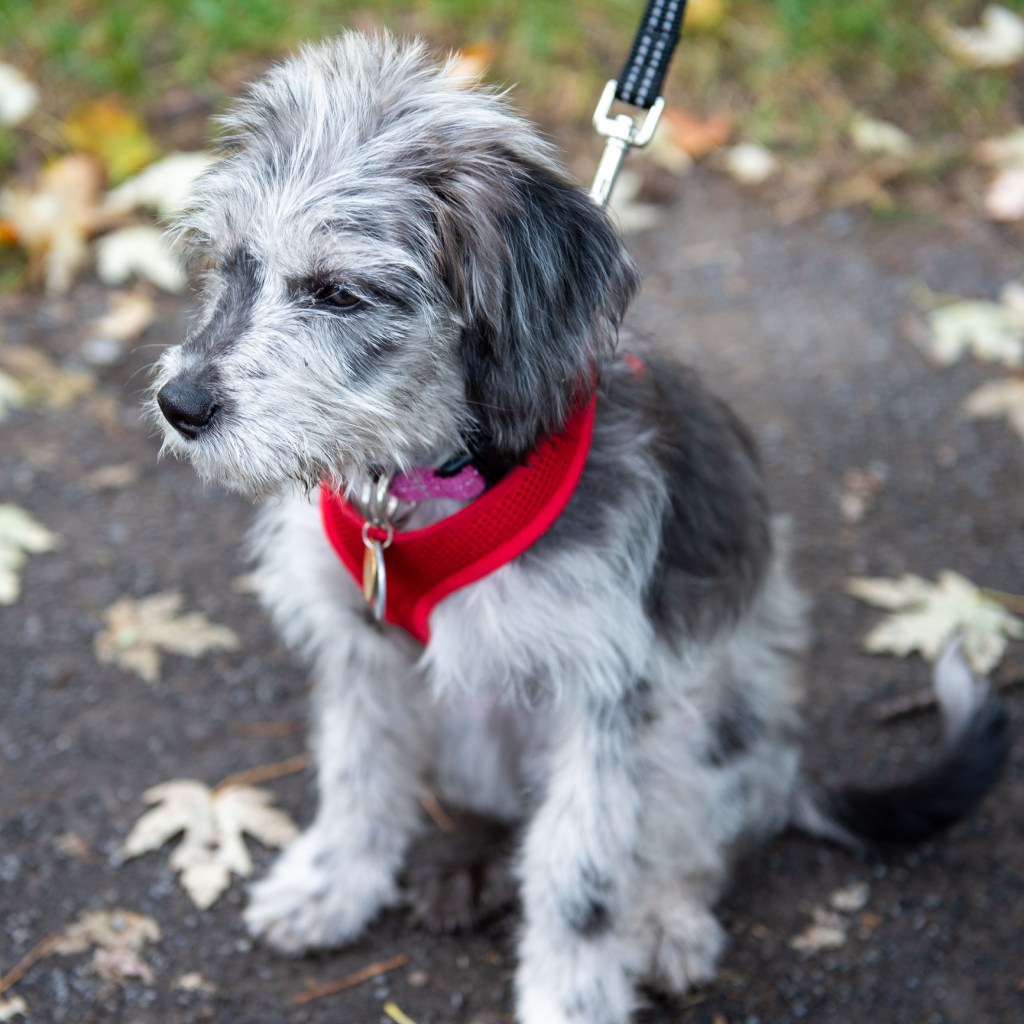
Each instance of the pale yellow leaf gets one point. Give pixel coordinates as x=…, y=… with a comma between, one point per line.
x=128, y=315
x=141, y=252
x=18, y=97
x=1004, y=197
x=137, y=631
x=988, y=330
x=873, y=137
x=164, y=186
x=997, y=42
x=827, y=931
x=13, y=1007
x=750, y=163
x=850, y=898
x=998, y=398
x=53, y=219
x=926, y=617
x=20, y=536
x=212, y=825
x=43, y=382
x=12, y=395
x=117, y=938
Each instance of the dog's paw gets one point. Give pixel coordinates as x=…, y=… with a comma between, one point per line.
x=318, y=895
x=687, y=943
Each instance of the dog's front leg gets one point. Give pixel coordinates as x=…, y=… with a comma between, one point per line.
x=369, y=741
x=578, y=865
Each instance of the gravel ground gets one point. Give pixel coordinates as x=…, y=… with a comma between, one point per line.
x=808, y=329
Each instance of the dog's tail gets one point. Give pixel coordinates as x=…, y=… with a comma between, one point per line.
x=974, y=752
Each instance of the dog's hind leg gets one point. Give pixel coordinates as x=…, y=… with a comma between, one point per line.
x=370, y=738
x=578, y=865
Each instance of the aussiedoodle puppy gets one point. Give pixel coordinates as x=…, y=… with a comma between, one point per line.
x=527, y=568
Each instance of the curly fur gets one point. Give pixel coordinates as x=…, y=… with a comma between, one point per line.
x=629, y=687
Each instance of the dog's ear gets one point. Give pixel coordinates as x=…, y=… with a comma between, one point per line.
x=542, y=281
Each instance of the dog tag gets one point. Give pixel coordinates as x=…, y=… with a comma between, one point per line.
x=374, y=578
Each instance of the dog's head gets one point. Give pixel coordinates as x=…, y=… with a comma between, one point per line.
x=392, y=266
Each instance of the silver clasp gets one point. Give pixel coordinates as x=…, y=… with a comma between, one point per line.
x=622, y=132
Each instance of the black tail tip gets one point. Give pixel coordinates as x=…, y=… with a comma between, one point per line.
x=949, y=791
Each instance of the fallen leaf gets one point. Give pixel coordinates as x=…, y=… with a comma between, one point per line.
x=139, y=251
x=998, y=398
x=164, y=186
x=693, y=135
x=43, y=382
x=136, y=632
x=880, y=138
x=18, y=97
x=926, y=617
x=1004, y=197
x=827, y=931
x=112, y=478
x=992, y=331
x=860, y=489
x=20, y=536
x=129, y=314
x=1004, y=151
x=193, y=981
x=53, y=220
x=631, y=216
x=108, y=130
x=751, y=164
x=11, y=395
x=997, y=42
x=850, y=898
x=213, y=824
x=15, y=1006
x=117, y=938
x=71, y=844
x=704, y=15
x=472, y=63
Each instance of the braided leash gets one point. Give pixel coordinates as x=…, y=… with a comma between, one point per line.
x=639, y=85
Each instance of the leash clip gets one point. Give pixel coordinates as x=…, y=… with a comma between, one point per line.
x=622, y=133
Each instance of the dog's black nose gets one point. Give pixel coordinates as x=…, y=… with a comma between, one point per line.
x=188, y=406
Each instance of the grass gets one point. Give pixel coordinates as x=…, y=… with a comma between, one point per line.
x=791, y=72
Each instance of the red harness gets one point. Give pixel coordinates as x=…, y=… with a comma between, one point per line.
x=424, y=566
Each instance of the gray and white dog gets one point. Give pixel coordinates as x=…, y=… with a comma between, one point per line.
x=396, y=270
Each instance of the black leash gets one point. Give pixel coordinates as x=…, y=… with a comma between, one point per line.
x=639, y=86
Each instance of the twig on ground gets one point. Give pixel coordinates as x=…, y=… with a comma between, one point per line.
x=370, y=971
x=264, y=772
x=29, y=960
x=923, y=700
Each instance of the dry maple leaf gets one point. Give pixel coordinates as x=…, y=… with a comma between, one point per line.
x=926, y=617
x=136, y=632
x=11, y=1008
x=108, y=130
x=827, y=931
x=992, y=331
x=213, y=823
x=998, y=398
x=20, y=536
x=117, y=938
x=12, y=396
x=997, y=42
x=41, y=381
x=53, y=220
x=164, y=186
x=139, y=251
x=18, y=96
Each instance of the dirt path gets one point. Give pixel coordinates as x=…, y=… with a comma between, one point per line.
x=803, y=328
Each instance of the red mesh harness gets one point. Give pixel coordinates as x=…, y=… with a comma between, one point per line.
x=426, y=565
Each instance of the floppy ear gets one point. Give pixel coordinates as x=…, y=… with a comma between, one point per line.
x=542, y=280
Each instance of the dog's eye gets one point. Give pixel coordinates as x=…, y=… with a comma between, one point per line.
x=337, y=296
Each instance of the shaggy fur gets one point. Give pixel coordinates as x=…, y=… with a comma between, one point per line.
x=396, y=271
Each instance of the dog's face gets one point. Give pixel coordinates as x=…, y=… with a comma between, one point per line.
x=391, y=268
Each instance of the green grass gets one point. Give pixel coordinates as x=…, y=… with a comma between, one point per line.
x=777, y=65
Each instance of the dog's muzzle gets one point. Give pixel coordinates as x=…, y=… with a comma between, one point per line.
x=189, y=406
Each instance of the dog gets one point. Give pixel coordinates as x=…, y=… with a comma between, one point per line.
x=398, y=279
